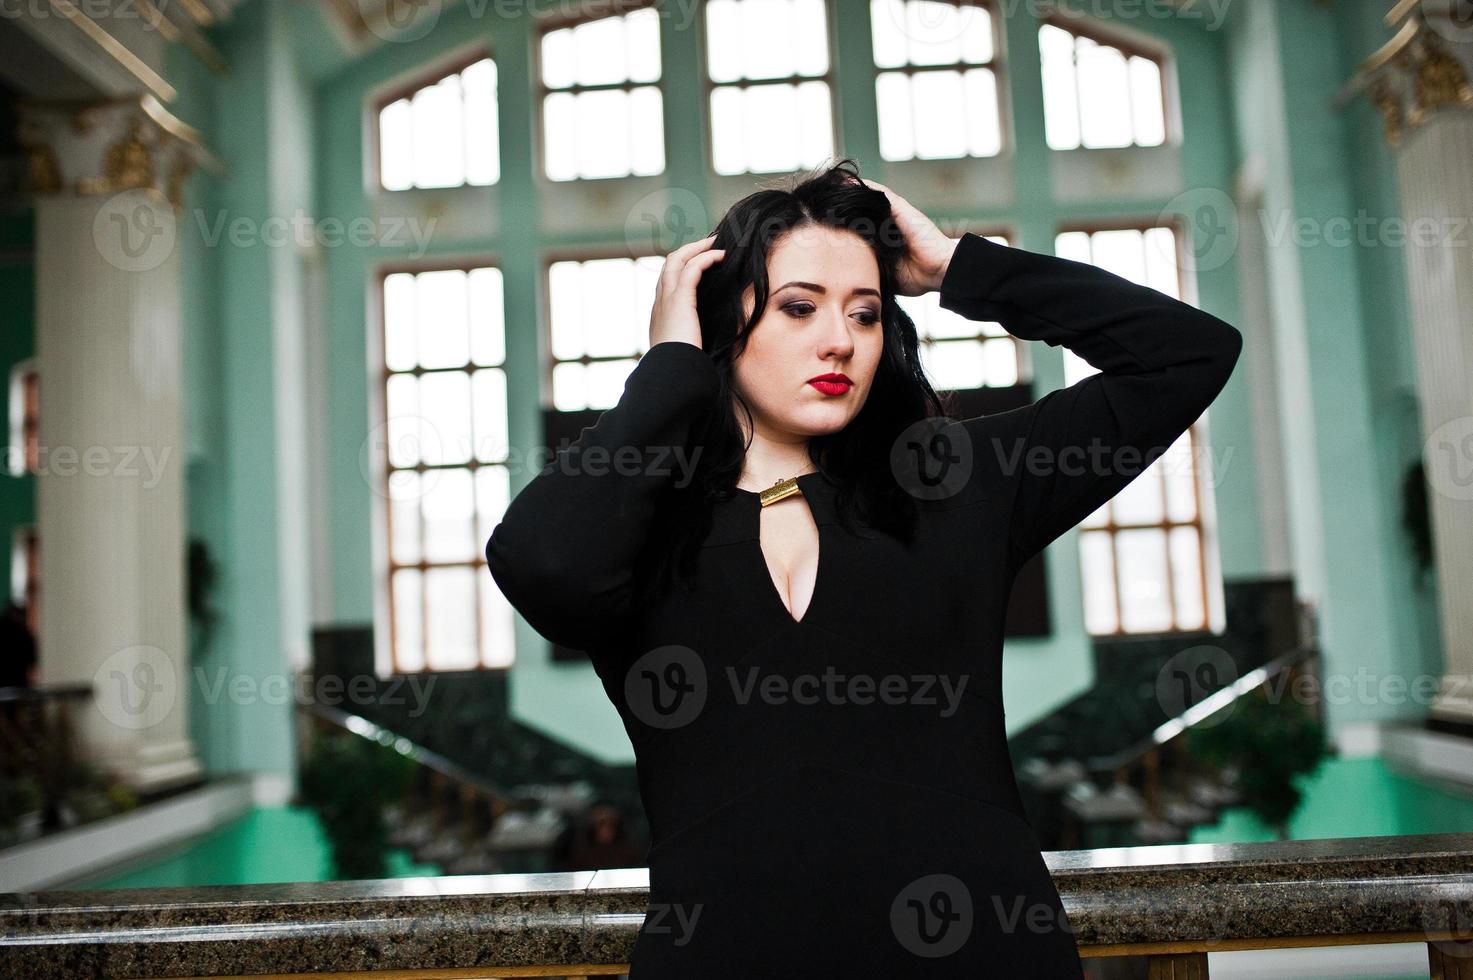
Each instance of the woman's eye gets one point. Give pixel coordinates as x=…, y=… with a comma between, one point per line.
x=866, y=317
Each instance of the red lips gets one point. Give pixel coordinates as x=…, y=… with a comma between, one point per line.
x=831, y=383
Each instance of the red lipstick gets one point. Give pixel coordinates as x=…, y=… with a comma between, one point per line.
x=831, y=384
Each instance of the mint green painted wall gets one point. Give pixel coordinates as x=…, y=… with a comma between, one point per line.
x=1391, y=358
x=1346, y=546
x=17, y=342
x=238, y=300
x=566, y=700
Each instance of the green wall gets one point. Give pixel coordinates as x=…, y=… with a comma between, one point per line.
x=17, y=343
x=290, y=120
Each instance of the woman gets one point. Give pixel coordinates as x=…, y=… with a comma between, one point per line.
x=811, y=678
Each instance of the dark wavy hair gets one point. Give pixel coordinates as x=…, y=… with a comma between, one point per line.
x=857, y=458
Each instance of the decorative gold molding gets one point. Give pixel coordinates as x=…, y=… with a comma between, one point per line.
x=1390, y=107
x=107, y=148
x=1440, y=79
x=1415, y=74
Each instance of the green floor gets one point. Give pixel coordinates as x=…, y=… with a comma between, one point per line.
x=267, y=845
x=1354, y=798
x=278, y=844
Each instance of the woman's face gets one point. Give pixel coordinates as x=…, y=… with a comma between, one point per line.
x=822, y=317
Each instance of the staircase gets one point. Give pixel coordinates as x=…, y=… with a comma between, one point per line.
x=1110, y=768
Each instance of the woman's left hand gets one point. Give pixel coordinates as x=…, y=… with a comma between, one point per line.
x=922, y=270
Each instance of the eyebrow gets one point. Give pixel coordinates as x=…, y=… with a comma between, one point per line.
x=861, y=291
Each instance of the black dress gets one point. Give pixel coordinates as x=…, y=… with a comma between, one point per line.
x=833, y=796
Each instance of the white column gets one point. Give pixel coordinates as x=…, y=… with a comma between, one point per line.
x=1420, y=81
x=110, y=492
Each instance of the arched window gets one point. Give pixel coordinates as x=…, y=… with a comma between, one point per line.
x=1099, y=91
x=441, y=131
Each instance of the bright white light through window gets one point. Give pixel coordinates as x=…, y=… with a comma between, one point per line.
x=600, y=325
x=1099, y=95
x=443, y=134
x=1142, y=553
x=936, y=93
x=958, y=353
x=602, y=113
x=445, y=401
x=768, y=61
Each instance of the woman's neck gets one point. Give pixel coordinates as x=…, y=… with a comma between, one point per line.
x=763, y=467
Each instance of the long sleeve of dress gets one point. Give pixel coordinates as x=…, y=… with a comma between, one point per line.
x=1161, y=363
x=565, y=551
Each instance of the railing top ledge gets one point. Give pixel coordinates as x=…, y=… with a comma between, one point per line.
x=1181, y=897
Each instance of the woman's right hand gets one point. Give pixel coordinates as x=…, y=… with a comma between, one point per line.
x=674, y=314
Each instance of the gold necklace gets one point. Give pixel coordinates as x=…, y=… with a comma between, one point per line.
x=781, y=489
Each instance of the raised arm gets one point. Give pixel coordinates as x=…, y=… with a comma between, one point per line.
x=1161, y=363
x=565, y=551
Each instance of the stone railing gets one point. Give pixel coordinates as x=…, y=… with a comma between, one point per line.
x=1172, y=903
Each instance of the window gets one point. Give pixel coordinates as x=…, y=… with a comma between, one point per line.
x=768, y=74
x=25, y=575
x=1098, y=92
x=958, y=353
x=599, y=318
x=936, y=93
x=25, y=418
x=443, y=133
x=445, y=404
x=1144, y=553
x=602, y=112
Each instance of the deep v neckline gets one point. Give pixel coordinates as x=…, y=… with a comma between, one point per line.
x=753, y=502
